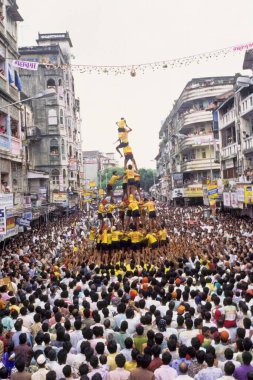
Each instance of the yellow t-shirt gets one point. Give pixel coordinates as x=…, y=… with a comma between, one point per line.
x=129, y=173
x=113, y=179
x=121, y=123
x=123, y=136
x=135, y=236
x=109, y=238
x=150, y=205
x=134, y=205
x=127, y=150
x=92, y=235
x=110, y=208
x=151, y=238
x=104, y=238
x=101, y=208
x=163, y=234
x=116, y=235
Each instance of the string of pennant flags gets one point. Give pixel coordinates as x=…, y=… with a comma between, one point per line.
x=133, y=69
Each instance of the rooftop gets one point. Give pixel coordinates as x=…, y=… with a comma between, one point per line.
x=54, y=37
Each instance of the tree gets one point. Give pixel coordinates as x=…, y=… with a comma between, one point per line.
x=147, y=177
x=106, y=175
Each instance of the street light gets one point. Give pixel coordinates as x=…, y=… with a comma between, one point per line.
x=45, y=94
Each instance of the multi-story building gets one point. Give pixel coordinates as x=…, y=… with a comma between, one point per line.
x=95, y=163
x=235, y=120
x=187, y=152
x=11, y=169
x=55, y=139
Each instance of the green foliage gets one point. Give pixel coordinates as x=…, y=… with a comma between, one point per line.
x=147, y=177
x=106, y=175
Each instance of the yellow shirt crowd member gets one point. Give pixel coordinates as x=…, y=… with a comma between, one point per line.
x=150, y=205
x=163, y=234
x=133, y=205
x=104, y=238
x=116, y=235
x=92, y=235
x=127, y=150
x=135, y=236
x=123, y=136
x=101, y=208
x=129, y=174
x=113, y=179
x=110, y=208
x=121, y=123
x=151, y=238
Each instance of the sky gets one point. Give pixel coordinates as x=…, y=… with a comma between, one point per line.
x=115, y=32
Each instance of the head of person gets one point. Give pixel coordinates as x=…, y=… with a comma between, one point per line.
x=209, y=360
x=246, y=357
x=183, y=368
x=229, y=368
x=51, y=375
x=120, y=360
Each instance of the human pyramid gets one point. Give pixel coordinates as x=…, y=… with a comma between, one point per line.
x=133, y=211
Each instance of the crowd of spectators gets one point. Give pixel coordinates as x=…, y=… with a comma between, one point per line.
x=68, y=311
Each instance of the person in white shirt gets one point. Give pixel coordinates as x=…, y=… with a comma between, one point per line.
x=165, y=371
x=229, y=369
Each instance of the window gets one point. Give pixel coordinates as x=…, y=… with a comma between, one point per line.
x=64, y=173
x=70, y=151
x=62, y=147
x=59, y=82
x=203, y=154
x=61, y=116
x=50, y=83
x=52, y=117
x=55, y=174
x=54, y=147
x=68, y=99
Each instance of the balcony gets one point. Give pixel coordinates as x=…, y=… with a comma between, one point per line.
x=200, y=91
x=55, y=159
x=4, y=142
x=194, y=117
x=3, y=83
x=247, y=146
x=195, y=141
x=199, y=164
x=229, y=151
x=227, y=119
x=13, y=91
x=12, y=41
x=246, y=106
x=15, y=146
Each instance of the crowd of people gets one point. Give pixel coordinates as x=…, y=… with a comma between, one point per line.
x=181, y=310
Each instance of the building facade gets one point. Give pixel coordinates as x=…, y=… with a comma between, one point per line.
x=188, y=150
x=94, y=163
x=55, y=138
x=11, y=159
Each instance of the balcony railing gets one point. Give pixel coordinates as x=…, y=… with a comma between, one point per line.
x=194, y=117
x=246, y=105
x=197, y=140
x=3, y=83
x=248, y=144
x=4, y=142
x=227, y=118
x=229, y=151
x=13, y=91
x=15, y=146
x=199, y=164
